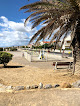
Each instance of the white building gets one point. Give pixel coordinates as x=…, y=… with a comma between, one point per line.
x=67, y=42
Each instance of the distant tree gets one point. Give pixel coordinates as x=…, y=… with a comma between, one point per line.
x=13, y=48
x=1, y=49
x=63, y=15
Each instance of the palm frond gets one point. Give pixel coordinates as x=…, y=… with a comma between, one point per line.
x=36, y=34
x=55, y=14
x=75, y=5
x=36, y=4
x=38, y=21
x=64, y=38
x=40, y=37
x=33, y=14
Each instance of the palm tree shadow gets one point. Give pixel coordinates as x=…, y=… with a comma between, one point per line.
x=13, y=66
x=68, y=74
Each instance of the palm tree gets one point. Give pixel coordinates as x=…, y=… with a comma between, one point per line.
x=63, y=15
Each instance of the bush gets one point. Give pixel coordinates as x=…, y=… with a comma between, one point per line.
x=1, y=49
x=23, y=46
x=5, y=58
x=13, y=49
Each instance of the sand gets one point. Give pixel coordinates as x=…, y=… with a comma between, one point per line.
x=18, y=73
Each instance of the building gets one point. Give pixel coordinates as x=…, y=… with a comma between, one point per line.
x=30, y=45
x=46, y=42
x=67, y=42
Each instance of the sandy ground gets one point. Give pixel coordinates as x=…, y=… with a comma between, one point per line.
x=50, y=97
x=22, y=72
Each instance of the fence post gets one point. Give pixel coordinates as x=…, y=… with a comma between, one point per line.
x=30, y=58
x=46, y=57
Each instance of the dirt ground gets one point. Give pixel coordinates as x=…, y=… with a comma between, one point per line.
x=16, y=74
x=48, y=97
x=20, y=72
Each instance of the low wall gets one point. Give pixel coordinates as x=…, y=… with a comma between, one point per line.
x=27, y=56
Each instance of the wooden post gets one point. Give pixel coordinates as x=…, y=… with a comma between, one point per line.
x=73, y=71
x=70, y=66
x=46, y=57
x=55, y=65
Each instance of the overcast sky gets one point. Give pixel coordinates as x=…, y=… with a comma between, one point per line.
x=12, y=30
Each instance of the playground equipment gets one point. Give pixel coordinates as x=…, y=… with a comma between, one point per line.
x=41, y=55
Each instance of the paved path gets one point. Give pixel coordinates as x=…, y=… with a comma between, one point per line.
x=21, y=60
x=41, y=65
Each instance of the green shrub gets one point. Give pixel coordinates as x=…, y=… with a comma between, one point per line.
x=23, y=46
x=1, y=49
x=13, y=49
x=5, y=58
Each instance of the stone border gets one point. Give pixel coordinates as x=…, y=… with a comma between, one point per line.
x=65, y=86
x=4, y=88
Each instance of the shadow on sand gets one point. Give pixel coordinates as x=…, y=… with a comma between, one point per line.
x=13, y=66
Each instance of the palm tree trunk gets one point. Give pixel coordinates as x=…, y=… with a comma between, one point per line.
x=76, y=55
x=76, y=48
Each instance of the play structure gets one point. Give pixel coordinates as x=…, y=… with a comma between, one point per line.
x=41, y=55
x=33, y=55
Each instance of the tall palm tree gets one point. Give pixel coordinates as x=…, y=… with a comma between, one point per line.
x=63, y=15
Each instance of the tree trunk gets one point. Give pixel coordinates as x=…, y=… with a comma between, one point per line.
x=76, y=48
x=5, y=64
x=77, y=58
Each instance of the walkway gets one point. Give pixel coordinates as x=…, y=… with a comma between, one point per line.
x=42, y=65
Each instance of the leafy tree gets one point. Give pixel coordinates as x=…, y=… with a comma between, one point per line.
x=5, y=58
x=63, y=15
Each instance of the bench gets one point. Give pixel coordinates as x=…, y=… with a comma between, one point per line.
x=55, y=64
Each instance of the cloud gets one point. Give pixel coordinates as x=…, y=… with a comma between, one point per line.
x=5, y=20
x=14, y=33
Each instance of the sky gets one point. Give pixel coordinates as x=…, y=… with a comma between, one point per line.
x=12, y=30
